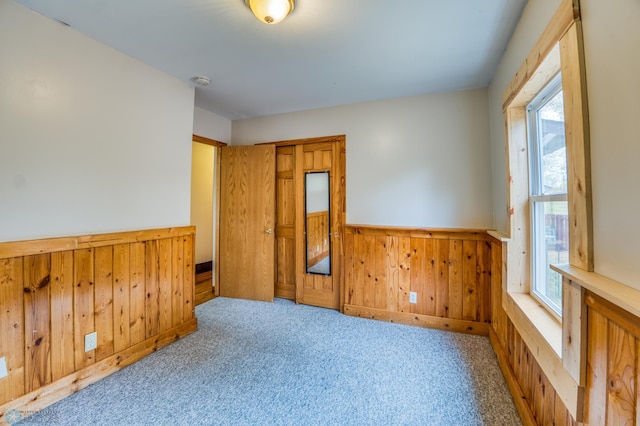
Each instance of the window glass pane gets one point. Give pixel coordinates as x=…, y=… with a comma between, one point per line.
x=551, y=246
x=552, y=148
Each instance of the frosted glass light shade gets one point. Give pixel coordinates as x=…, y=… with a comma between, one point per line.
x=271, y=11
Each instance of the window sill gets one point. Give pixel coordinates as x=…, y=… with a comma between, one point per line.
x=544, y=323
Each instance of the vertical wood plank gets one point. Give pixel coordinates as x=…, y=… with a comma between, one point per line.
x=429, y=286
x=164, y=284
x=455, y=279
x=137, y=293
x=483, y=280
x=358, y=270
x=538, y=395
x=62, y=356
x=83, y=306
x=598, y=329
x=442, y=278
x=470, y=286
x=177, y=282
x=12, y=327
x=152, y=289
x=369, y=270
x=560, y=412
x=380, y=299
x=37, y=344
x=349, y=260
x=548, y=402
x=621, y=397
x=498, y=316
x=189, y=294
x=418, y=274
x=578, y=148
x=121, y=296
x=103, y=301
x=574, y=327
x=392, y=273
x=404, y=273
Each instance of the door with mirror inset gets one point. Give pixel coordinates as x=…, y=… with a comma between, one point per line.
x=310, y=217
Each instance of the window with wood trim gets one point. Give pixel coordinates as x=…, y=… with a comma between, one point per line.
x=535, y=212
x=548, y=193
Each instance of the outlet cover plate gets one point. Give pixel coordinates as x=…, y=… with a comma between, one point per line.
x=90, y=341
x=3, y=368
x=413, y=297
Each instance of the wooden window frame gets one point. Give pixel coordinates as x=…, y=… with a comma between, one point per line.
x=559, y=348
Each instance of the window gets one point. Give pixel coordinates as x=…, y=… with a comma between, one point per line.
x=548, y=193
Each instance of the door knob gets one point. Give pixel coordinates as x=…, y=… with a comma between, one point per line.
x=268, y=231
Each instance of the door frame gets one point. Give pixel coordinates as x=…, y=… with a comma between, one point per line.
x=216, y=144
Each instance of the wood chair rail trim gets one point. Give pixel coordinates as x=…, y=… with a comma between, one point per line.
x=53, y=245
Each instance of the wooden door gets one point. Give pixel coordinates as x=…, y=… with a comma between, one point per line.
x=285, y=223
x=247, y=218
x=314, y=289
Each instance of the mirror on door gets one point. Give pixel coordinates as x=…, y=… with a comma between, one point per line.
x=317, y=223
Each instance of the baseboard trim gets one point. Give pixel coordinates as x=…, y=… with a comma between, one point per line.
x=60, y=389
x=519, y=399
x=426, y=321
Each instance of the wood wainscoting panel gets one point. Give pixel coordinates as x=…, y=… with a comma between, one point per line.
x=613, y=364
x=135, y=290
x=449, y=270
x=535, y=398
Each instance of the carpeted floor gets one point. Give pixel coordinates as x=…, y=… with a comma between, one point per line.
x=254, y=363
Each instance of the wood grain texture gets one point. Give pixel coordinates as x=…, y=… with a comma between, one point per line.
x=37, y=283
x=452, y=277
x=247, y=220
x=285, y=286
x=12, y=337
x=177, y=281
x=576, y=122
x=121, y=297
x=62, y=355
x=318, y=290
x=50, y=301
x=103, y=301
x=47, y=395
x=53, y=245
x=83, y=308
x=566, y=14
x=165, y=284
x=427, y=321
x=207, y=141
x=137, y=293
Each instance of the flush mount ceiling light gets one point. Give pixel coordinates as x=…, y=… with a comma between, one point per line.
x=201, y=80
x=271, y=11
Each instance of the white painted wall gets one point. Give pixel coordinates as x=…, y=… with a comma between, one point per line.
x=612, y=43
x=202, y=190
x=91, y=140
x=420, y=161
x=612, y=55
x=534, y=19
x=211, y=125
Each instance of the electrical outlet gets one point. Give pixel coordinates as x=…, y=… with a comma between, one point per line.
x=413, y=297
x=3, y=368
x=90, y=341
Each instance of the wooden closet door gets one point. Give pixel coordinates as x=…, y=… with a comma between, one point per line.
x=285, y=223
x=313, y=289
x=247, y=221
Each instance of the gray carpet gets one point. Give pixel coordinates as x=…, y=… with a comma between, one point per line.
x=254, y=363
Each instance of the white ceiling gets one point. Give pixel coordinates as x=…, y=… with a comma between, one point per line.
x=327, y=52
